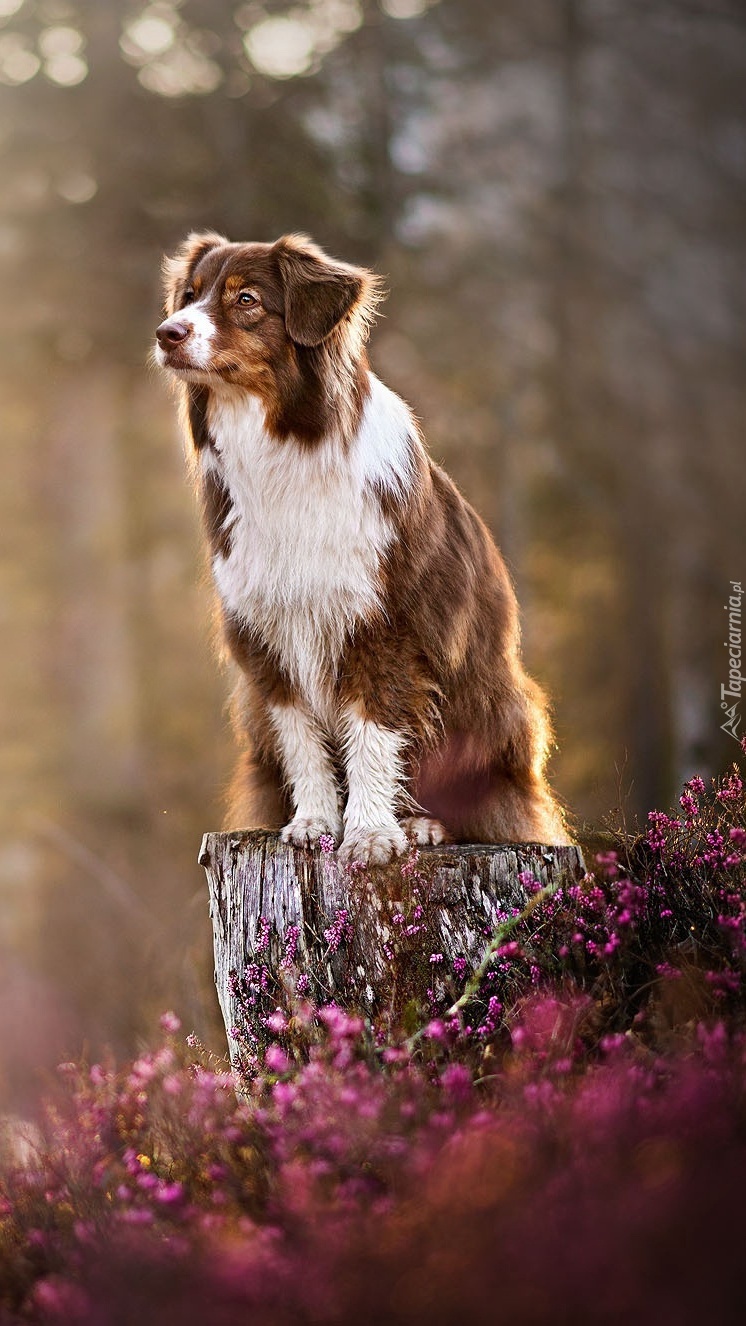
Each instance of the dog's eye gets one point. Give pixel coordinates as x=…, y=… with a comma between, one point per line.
x=247, y=299
x=188, y=296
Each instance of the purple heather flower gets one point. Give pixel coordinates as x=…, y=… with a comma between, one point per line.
x=276, y=1059
x=510, y=950
x=732, y=787
x=338, y=930
x=723, y=982
x=170, y=1193
x=609, y=862
x=143, y=1070
x=170, y=1022
x=661, y=825
x=60, y=1300
x=276, y=1022
x=136, y=1215
x=528, y=881
x=457, y=1081
x=435, y=1030
x=561, y=1067
x=394, y=1056
x=613, y=1042
x=339, y=1023
x=291, y=946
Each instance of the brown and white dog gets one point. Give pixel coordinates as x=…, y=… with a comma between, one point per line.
x=381, y=694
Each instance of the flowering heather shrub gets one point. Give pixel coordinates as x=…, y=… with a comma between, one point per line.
x=346, y=1191
x=566, y=1142
x=653, y=936
x=665, y=909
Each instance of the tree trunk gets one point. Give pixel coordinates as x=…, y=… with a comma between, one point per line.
x=382, y=940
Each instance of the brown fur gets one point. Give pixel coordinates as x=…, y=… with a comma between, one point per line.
x=440, y=662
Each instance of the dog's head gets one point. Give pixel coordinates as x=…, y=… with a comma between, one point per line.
x=245, y=313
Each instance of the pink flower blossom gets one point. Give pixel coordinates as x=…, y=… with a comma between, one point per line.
x=169, y=1194
x=276, y=1059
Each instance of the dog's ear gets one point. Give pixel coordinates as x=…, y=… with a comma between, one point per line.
x=178, y=269
x=319, y=291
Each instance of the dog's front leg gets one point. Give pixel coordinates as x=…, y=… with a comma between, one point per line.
x=309, y=775
x=374, y=767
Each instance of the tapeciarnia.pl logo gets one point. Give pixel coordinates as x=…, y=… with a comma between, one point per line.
x=732, y=690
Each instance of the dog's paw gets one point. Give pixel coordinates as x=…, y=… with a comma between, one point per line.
x=305, y=831
x=374, y=847
x=421, y=829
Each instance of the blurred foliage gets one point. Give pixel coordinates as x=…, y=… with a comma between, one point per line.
x=461, y=1172
x=555, y=192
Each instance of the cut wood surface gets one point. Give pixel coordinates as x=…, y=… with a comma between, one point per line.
x=370, y=939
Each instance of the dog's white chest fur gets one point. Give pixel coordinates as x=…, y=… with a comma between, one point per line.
x=307, y=533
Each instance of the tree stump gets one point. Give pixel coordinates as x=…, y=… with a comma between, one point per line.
x=382, y=940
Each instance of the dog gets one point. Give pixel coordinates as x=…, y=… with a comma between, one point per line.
x=381, y=699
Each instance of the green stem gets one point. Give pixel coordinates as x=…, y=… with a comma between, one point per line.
x=472, y=985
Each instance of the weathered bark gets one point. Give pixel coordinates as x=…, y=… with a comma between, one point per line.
x=364, y=939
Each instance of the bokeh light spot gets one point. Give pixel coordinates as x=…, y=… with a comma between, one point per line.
x=17, y=63
x=181, y=72
x=280, y=47
x=77, y=187
x=404, y=8
x=60, y=41
x=66, y=70
x=152, y=34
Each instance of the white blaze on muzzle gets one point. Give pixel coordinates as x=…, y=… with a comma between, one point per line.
x=198, y=345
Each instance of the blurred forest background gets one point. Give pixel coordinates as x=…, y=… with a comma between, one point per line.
x=554, y=190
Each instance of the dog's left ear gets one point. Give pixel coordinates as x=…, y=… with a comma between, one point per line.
x=319, y=291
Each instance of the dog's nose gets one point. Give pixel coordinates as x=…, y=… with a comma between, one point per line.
x=171, y=333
